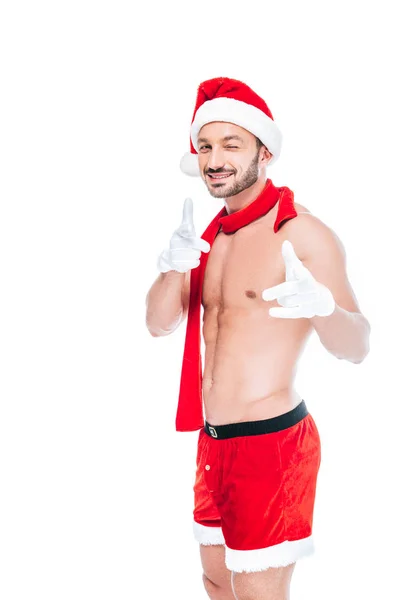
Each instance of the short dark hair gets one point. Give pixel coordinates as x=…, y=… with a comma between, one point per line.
x=258, y=143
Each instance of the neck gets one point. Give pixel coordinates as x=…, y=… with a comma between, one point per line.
x=245, y=197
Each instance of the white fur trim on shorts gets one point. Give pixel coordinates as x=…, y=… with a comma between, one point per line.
x=279, y=555
x=208, y=535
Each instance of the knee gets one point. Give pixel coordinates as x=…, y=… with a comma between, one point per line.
x=211, y=588
x=216, y=592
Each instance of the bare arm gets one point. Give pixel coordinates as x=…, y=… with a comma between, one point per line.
x=344, y=333
x=167, y=302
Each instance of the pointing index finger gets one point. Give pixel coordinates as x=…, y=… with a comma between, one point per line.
x=186, y=228
x=292, y=262
x=187, y=218
x=288, y=253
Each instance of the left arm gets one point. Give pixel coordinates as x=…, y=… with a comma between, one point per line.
x=345, y=332
x=317, y=288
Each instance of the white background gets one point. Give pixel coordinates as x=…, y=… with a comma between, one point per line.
x=96, y=103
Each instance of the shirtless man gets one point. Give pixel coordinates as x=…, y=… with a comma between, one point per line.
x=251, y=351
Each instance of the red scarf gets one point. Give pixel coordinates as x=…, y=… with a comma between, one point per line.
x=189, y=416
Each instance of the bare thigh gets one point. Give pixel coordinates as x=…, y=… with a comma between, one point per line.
x=214, y=567
x=271, y=583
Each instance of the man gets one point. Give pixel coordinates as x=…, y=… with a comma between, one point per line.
x=267, y=272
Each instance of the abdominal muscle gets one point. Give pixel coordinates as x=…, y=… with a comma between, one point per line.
x=250, y=356
x=250, y=364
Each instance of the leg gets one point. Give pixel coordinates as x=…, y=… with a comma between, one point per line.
x=270, y=584
x=267, y=508
x=216, y=576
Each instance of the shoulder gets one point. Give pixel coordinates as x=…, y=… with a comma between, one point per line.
x=309, y=234
x=301, y=209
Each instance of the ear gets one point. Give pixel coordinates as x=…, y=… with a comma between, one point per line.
x=266, y=156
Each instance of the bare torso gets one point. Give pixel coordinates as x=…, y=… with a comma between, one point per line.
x=250, y=357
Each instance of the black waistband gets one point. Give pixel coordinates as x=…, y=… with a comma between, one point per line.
x=271, y=425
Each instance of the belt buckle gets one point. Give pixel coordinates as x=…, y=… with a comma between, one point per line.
x=212, y=431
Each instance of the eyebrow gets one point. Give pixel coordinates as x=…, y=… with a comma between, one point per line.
x=225, y=139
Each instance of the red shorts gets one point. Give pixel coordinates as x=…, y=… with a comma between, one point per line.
x=255, y=488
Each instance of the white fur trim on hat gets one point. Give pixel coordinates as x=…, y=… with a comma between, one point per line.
x=240, y=113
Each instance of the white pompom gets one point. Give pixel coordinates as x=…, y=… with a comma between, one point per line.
x=190, y=164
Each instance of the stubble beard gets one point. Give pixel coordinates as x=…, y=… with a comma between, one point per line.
x=248, y=179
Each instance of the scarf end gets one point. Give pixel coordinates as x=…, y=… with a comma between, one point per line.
x=189, y=428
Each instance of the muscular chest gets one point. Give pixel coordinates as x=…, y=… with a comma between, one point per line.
x=241, y=265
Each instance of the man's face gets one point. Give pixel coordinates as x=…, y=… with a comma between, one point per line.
x=230, y=153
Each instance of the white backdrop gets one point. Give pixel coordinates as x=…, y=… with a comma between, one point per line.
x=96, y=103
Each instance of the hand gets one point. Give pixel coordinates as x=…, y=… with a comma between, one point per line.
x=300, y=295
x=184, y=248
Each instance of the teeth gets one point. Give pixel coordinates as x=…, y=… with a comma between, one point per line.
x=220, y=176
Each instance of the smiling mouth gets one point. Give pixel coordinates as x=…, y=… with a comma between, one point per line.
x=219, y=176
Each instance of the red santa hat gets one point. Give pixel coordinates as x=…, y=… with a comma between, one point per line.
x=232, y=101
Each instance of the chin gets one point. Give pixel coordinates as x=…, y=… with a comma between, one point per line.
x=221, y=192
x=218, y=192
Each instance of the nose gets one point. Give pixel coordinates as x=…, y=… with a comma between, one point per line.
x=216, y=159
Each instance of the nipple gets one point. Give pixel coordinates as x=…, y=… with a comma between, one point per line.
x=250, y=293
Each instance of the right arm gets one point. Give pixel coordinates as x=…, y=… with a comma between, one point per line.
x=167, y=302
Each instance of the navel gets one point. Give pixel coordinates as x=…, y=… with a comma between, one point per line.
x=250, y=293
